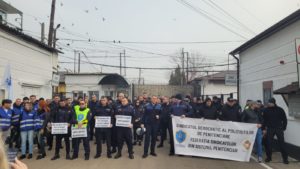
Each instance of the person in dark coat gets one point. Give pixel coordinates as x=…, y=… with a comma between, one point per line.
x=62, y=114
x=164, y=120
x=208, y=110
x=275, y=123
x=139, y=111
x=230, y=111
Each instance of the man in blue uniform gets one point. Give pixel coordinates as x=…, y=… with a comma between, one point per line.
x=150, y=120
x=103, y=110
x=5, y=118
x=125, y=133
x=179, y=108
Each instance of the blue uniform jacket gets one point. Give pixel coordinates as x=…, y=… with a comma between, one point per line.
x=5, y=119
x=150, y=113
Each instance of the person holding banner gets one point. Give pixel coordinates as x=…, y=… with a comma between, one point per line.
x=209, y=110
x=80, y=120
x=250, y=115
x=124, y=122
x=178, y=108
x=150, y=121
x=63, y=117
x=103, y=124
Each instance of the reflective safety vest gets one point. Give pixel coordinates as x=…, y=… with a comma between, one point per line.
x=5, y=119
x=81, y=116
x=27, y=121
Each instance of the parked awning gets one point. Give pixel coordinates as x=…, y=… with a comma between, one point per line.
x=292, y=88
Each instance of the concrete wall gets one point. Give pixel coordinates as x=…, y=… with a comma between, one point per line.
x=31, y=66
x=162, y=90
x=262, y=63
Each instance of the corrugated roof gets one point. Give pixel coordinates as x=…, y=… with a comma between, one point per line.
x=292, y=88
x=27, y=38
x=7, y=8
x=216, y=76
x=268, y=32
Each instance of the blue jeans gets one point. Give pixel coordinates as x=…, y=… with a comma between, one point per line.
x=258, y=142
x=27, y=135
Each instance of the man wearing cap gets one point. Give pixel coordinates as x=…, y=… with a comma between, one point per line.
x=275, y=123
x=5, y=118
x=230, y=112
x=251, y=115
x=181, y=109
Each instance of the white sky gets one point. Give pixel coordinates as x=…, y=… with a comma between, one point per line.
x=150, y=21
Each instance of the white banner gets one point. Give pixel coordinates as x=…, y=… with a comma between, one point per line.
x=123, y=121
x=102, y=121
x=79, y=132
x=214, y=139
x=59, y=128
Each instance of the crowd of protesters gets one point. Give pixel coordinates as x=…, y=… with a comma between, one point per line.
x=28, y=121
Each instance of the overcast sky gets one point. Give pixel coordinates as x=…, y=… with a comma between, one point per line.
x=152, y=21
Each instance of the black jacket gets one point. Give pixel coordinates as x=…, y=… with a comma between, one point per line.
x=230, y=113
x=275, y=117
x=197, y=110
x=165, y=115
x=61, y=115
x=210, y=113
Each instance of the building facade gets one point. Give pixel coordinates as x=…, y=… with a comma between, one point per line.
x=268, y=68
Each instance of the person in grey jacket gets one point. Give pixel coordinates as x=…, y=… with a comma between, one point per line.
x=253, y=115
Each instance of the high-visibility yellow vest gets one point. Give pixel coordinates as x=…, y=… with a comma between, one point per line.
x=81, y=116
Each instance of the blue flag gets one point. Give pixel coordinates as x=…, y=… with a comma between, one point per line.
x=7, y=81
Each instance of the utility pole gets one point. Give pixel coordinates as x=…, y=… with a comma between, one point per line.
x=187, y=67
x=51, y=26
x=182, y=72
x=78, y=62
x=42, y=32
x=121, y=64
x=124, y=62
x=140, y=75
x=74, y=61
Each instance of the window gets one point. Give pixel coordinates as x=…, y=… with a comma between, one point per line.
x=76, y=94
x=267, y=91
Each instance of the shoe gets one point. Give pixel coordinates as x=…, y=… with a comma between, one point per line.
x=86, y=157
x=131, y=156
x=57, y=156
x=140, y=143
x=260, y=159
x=171, y=154
x=145, y=156
x=109, y=156
x=153, y=154
x=68, y=157
x=22, y=157
x=286, y=162
x=267, y=160
x=29, y=156
x=160, y=146
x=74, y=157
x=97, y=156
x=40, y=156
x=134, y=143
x=118, y=155
x=50, y=148
x=114, y=150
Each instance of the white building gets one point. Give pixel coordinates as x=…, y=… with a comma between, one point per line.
x=32, y=62
x=268, y=67
x=217, y=84
x=100, y=84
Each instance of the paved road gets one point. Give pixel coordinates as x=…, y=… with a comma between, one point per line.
x=162, y=161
